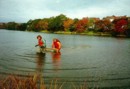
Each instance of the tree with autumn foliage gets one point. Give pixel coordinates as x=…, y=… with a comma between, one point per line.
x=120, y=25
x=103, y=25
x=81, y=25
x=107, y=25
x=91, y=24
x=127, y=31
x=72, y=27
x=67, y=24
x=111, y=25
x=42, y=24
x=99, y=26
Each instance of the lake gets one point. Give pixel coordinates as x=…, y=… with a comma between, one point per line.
x=102, y=62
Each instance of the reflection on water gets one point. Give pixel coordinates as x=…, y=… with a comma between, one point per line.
x=56, y=59
x=40, y=61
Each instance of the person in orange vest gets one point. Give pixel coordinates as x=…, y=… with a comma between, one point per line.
x=41, y=43
x=56, y=45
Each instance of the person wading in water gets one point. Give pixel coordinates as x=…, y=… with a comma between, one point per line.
x=56, y=45
x=41, y=43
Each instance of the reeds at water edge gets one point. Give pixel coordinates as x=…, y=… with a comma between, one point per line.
x=34, y=82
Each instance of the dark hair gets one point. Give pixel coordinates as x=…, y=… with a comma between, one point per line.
x=39, y=36
x=57, y=40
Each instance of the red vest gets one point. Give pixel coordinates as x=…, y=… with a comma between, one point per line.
x=56, y=45
x=40, y=42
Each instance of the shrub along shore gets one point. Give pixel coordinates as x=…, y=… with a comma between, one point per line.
x=108, y=26
x=89, y=33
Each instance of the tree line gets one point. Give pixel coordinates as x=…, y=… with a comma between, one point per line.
x=114, y=25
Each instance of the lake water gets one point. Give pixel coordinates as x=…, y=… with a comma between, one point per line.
x=96, y=61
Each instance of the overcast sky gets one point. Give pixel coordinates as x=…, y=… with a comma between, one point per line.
x=24, y=10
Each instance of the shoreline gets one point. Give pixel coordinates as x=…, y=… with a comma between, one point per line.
x=89, y=33
x=102, y=34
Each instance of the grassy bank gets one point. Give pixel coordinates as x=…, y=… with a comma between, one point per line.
x=34, y=82
x=91, y=33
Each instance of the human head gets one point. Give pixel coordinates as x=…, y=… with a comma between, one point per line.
x=55, y=40
x=39, y=36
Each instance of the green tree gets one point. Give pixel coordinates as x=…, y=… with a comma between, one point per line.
x=32, y=25
x=22, y=26
x=12, y=26
x=56, y=23
x=72, y=27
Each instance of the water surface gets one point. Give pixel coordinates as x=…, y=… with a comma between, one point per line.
x=100, y=61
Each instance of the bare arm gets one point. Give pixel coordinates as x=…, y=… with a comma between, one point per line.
x=59, y=45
